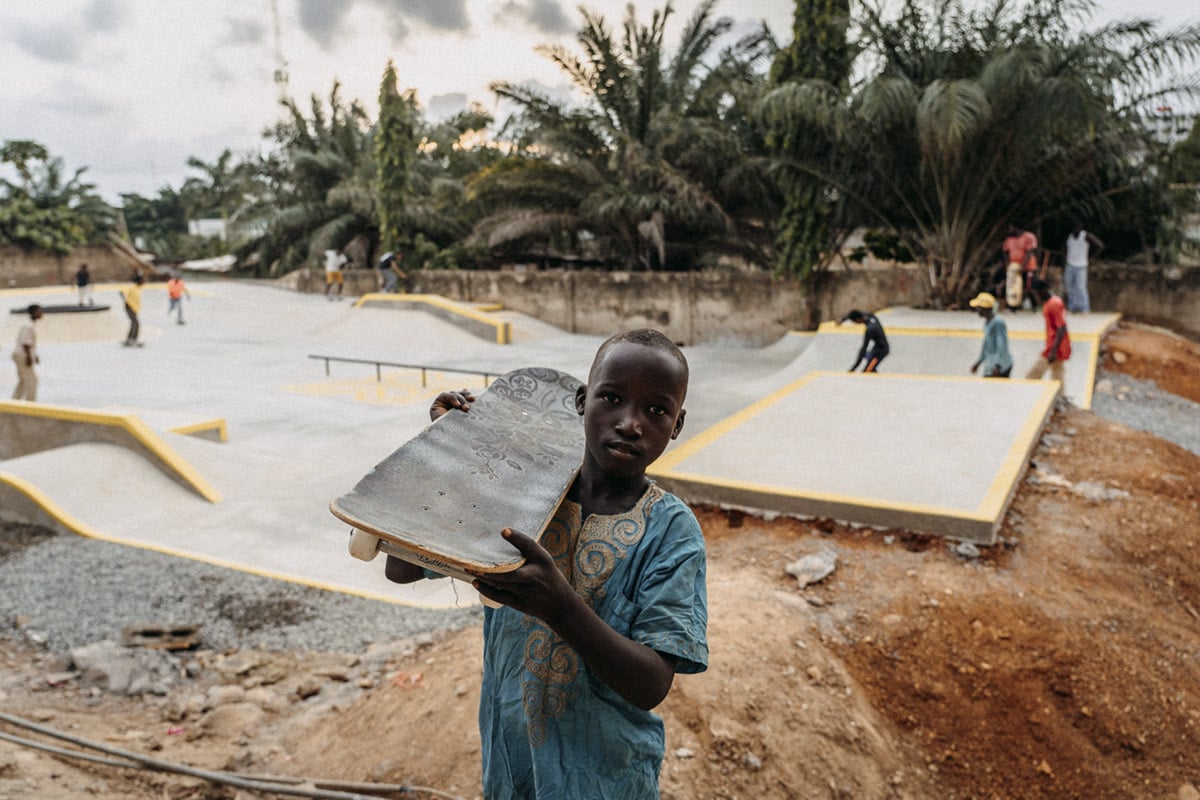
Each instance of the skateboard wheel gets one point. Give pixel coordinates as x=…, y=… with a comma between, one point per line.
x=363, y=545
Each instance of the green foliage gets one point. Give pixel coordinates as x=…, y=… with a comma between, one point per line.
x=43, y=210
x=317, y=187
x=660, y=163
x=395, y=150
x=819, y=54
x=967, y=121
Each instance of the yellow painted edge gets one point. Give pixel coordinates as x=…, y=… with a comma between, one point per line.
x=217, y=424
x=132, y=425
x=1013, y=465
x=853, y=500
x=81, y=528
x=503, y=329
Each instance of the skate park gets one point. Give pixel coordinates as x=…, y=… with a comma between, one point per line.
x=225, y=439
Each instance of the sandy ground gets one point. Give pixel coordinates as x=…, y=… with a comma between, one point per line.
x=1063, y=663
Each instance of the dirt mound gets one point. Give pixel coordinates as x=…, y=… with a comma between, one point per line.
x=1063, y=663
x=1149, y=353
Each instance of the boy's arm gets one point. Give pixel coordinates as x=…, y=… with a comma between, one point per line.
x=641, y=676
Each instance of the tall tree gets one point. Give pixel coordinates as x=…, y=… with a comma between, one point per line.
x=970, y=120
x=655, y=160
x=395, y=149
x=44, y=209
x=321, y=178
x=818, y=59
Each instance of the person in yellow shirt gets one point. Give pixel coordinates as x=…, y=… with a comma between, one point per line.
x=132, y=296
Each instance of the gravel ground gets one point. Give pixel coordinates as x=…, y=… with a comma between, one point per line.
x=65, y=591
x=1142, y=405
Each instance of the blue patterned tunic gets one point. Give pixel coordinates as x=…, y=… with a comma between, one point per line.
x=551, y=729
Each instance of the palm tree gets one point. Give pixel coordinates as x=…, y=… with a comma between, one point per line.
x=654, y=165
x=969, y=121
x=320, y=181
x=45, y=209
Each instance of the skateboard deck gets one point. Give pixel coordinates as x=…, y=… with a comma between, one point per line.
x=441, y=500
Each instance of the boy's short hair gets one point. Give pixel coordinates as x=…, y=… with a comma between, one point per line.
x=854, y=315
x=33, y=309
x=646, y=337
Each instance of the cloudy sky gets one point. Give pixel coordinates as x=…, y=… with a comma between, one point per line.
x=131, y=88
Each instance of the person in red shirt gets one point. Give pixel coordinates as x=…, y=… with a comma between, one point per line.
x=1021, y=250
x=175, y=292
x=1058, y=341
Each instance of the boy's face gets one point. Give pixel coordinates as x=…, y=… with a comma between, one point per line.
x=632, y=408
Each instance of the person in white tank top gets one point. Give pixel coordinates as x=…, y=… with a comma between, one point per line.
x=1079, y=248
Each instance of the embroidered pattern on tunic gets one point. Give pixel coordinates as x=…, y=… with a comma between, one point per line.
x=587, y=554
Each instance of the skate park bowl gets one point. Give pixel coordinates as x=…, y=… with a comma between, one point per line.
x=763, y=424
x=28, y=428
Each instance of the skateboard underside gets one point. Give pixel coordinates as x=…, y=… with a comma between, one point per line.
x=442, y=499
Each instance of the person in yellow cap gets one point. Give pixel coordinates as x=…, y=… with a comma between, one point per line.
x=993, y=356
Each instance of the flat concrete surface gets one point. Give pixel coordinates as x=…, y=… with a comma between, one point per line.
x=296, y=438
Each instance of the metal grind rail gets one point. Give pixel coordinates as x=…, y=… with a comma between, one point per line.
x=424, y=368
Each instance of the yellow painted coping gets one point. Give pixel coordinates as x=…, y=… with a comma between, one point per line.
x=477, y=313
x=988, y=510
x=77, y=526
x=203, y=429
x=132, y=425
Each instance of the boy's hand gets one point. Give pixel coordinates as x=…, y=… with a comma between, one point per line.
x=537, y=588
x=445, y=401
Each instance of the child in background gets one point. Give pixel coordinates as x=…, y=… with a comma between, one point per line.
x=606, y=609
x=175, y=292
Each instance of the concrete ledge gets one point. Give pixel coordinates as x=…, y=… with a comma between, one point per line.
x=27, y=428
x=871, y=461
x=469, y=318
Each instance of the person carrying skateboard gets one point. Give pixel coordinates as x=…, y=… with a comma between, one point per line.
x=593, y=627
x=1021, y=250
x=874, y=345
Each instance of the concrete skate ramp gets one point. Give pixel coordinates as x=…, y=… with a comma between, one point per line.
x=135, y=505
x=942, y=455
x=27, y=428
x=467, y=316
x=953, y=346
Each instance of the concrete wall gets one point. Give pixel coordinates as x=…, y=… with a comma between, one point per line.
x=1161, y=295
x=18, y=268
x=745, y=308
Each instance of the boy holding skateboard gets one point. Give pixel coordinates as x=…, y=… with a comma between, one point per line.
x=606, y=609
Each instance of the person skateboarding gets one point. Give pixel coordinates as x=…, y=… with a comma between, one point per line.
x=572, y=667
x=132, y=295
x=874, y=345
x=176, y=289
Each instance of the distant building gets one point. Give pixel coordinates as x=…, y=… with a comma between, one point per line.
x=1168, y=126
x=208, y=228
